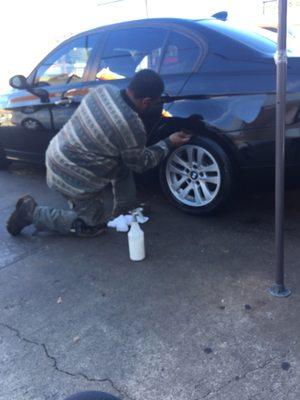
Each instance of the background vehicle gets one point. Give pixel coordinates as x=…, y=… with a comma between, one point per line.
x=222, y=74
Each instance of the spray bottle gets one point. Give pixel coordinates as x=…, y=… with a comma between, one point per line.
x=136, y=240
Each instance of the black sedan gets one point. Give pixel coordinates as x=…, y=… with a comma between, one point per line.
x=220, y=75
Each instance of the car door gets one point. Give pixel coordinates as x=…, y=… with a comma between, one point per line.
x=68, y=77
x=128, y=50
x=180, y=59
x=63, y=73
x=183, y=54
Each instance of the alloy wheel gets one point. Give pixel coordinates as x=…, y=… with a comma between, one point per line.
x=193, y=175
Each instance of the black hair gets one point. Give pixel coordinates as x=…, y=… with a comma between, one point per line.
x=146, y=83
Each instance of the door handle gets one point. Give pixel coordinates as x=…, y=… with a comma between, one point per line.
x=64, y=101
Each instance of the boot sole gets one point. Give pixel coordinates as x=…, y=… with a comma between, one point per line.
x=13, y=226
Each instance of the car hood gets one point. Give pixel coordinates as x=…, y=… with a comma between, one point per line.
x=5, y=95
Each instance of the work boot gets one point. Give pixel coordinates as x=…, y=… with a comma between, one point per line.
x=80, y=229
x=22, y=216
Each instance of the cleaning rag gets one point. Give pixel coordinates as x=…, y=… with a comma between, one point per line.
x=123, y=222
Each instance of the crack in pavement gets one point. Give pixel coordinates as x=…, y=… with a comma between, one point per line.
x=237, y=378
x=60, y=370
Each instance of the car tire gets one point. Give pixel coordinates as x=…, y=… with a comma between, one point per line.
x=198, y=177
x=4, y=163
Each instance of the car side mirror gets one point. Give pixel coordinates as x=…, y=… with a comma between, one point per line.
x=19, y=82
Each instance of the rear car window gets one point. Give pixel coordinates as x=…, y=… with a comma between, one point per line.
x=249, y=38
x=127, y=51
x=181, y=55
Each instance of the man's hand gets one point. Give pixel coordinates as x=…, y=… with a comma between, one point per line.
x=179, y=138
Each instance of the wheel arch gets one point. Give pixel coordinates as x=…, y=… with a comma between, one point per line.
x=225, y=143
x=200, y=128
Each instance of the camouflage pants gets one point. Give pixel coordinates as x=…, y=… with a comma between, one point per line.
x=90, y=210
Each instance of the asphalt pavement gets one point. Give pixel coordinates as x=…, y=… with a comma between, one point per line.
x=193, y=321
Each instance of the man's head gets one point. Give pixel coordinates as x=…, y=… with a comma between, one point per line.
x=145, y=90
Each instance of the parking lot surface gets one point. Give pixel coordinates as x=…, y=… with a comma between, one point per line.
x=193, y=321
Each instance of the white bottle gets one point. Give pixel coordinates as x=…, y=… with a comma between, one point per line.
x=136, y=242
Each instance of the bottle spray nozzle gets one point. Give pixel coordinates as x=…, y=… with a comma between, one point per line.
x=137, y=212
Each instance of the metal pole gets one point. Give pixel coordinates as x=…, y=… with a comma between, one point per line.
x=146, y=4
x=278, y=288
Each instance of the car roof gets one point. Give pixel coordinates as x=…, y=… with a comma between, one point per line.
x=205, y=25
x=147, y=21
x=206, y=28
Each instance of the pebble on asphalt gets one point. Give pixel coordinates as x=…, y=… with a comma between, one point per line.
x=285, y=366
x=208, y=350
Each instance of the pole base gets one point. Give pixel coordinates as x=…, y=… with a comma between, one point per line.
x=279, y=291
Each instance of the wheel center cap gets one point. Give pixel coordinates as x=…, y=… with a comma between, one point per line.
x=194, y=175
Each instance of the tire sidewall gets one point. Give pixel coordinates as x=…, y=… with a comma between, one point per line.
x=226, y=174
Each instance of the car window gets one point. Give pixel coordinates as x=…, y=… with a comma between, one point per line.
x=127, y=51
x=67, y=64
x=181, y=55
x=241, y=34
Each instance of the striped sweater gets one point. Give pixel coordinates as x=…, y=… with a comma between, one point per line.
x=103, y=136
